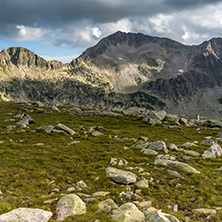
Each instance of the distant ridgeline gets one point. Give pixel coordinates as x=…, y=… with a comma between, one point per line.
x=122, y=70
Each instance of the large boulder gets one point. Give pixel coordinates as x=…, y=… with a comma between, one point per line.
x=214, y=151
x=176, y=164
x=127, y=213
x=69, y=205
x=26, y=215
x=121, y=176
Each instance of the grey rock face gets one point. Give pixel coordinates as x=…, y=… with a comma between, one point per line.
x=26, y=215
x=121, y=176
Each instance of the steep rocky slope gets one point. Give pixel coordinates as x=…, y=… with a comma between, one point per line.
x=123, y=69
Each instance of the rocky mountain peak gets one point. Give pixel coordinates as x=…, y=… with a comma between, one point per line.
x=22, y=57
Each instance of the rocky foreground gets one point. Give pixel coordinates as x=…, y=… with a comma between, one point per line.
x=74, y=164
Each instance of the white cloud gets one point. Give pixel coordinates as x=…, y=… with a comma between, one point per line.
x=124, y=25
x=29, y=33
x=96, y=32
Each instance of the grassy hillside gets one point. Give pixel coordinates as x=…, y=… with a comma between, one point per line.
x=29, y=172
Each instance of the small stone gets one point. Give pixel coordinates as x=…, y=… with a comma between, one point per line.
x=81, y=184
x=175, y=208
x=144, y=204
x=173, y=147
x=142, y=184
x=38, y=144
x=73, y=142
x=55, y=190
x=97, y=133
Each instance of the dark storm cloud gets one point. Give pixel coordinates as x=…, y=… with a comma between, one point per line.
x=81, y=23
x=55, y=13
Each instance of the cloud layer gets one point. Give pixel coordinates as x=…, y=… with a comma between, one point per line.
x=81, y=23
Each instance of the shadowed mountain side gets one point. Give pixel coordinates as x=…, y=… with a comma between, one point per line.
x=76, y=93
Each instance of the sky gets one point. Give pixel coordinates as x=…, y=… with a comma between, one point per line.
x=63, y=29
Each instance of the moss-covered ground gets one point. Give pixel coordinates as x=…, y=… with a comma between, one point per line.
x=27, y=172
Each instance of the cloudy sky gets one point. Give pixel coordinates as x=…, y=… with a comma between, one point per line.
x=63, y=29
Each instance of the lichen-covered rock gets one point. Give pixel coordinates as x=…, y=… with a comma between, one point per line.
x=158, y=145
x=108, y=202
x=127, y=213
x=121, y=176
x=26, y=215
x=158, y=216
x=176, y=164
x=69, y=205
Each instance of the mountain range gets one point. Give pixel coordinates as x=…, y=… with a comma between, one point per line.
x=122, y=70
